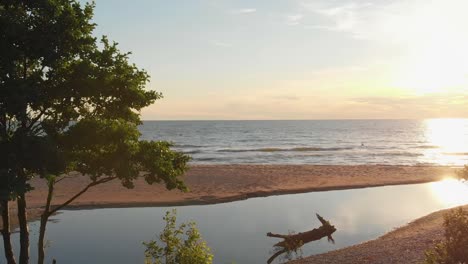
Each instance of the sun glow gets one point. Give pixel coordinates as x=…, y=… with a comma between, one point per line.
x=447, y=140
x=431, y=75
x=438, y=67
x=448, y=134
x=450, y=192
x=436, y=58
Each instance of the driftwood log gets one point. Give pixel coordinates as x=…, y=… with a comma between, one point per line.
x=295, y=241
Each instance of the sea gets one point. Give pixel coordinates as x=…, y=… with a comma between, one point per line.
x=325, y=142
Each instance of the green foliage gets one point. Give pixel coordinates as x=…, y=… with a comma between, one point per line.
x=179, y=245
x=70, y=102
x=454, y=249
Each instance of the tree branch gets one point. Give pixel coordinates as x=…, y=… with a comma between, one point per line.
x=92, y=184
x=277, y=235
x=36, y=130
x=34, y=121
x=63, y=178
x=272, y=258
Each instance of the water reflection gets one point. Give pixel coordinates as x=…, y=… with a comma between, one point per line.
x=451, y=192
x=448, y=139
x=236, y=231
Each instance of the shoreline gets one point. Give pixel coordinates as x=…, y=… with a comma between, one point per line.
x=241, y=197
x=211, y=184
x=404, y=244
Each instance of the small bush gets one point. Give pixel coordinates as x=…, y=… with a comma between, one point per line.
x=179, y=245
x=454, y=249
x=463, y=173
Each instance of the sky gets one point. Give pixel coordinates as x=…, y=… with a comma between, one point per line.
x=296, y=59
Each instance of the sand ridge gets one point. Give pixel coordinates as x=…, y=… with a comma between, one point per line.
x=224, y=183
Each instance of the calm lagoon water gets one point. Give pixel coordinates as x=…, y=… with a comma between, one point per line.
x=236, y=231
x=404, y=142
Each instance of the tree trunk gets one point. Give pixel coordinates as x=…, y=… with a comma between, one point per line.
x=40, y=244
x=48, y=211
x=44, y=218
x=21, y=199
x=6, y=232
x=295, y=241
x=24, y=230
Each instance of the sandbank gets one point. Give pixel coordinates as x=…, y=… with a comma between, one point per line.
x=210, y=184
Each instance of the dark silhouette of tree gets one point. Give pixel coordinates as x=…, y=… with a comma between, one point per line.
x=69, y=102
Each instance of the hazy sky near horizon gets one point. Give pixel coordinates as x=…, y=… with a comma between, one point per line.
x=296, y=59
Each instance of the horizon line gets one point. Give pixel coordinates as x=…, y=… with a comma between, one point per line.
x=331, y=119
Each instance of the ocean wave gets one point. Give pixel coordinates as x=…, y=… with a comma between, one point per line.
x=426, y=147
x=187, y=146
x=456, y=153
x=398, y=154
x=206, y=159
x=192, y=151
x=297, y=149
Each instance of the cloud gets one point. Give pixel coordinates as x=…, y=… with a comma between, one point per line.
x=399, y=21
x=317, y=106
x=285, y=98
x=244, y=11
x=431, y=105
x=293, y=20
x=345, y=16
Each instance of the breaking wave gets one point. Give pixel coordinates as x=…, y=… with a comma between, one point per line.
x=298, y=149
x=456, y=153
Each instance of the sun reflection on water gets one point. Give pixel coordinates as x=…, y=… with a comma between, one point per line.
x=448, y=139
x=450, y=192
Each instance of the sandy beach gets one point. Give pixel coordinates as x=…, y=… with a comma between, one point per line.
x=223, y=183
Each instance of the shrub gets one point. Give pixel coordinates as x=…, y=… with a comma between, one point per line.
x=454, y=249
x=179, y=245
x=463, y=173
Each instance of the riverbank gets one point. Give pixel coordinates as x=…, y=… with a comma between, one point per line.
x=211, y=184
x=224, y=183
x=406, y=244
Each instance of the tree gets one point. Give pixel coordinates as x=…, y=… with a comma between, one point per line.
x=174, y=249
x=292, y=243
x=69, y=103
